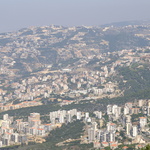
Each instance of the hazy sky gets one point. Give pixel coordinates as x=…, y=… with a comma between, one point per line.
x=16, y=14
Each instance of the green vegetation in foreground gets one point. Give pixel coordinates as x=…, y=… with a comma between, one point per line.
x=146, y=148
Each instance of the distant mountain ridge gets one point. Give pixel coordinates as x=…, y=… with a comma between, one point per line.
x=126, y=23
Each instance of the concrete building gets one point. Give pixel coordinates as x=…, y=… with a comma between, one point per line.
x=91, y=135
x=143, y=121
x=134, y=131
x=128, y=128
x=126, y=110
x=109, y=109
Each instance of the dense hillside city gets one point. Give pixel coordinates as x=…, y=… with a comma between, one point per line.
x=54, y=79
x=114, y=128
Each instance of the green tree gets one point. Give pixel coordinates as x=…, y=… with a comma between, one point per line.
x=146, y=148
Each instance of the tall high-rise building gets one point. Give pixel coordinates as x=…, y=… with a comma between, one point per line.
x=86, y=115
x=128, y=118
x=101, y=123
x=98, y=114
x=79, y=115
x=73, y=112
x=109, y=109
x=148, y=110
x=112, y=137
x=68, y=117
x=149, y=103
x=143, y=121
x=128, y=128
x=91, y=135
x=141, y=103
x=111, y=126
x=134, y=131
x=129, y=104
x=126, y=110
x=94, y=125
x=34, y=119
x=5, y=117
x=34, y=116
x=114, y=109
x=61, y=118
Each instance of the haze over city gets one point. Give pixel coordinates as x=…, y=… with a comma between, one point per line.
x=16, y=14
x=74, y=75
